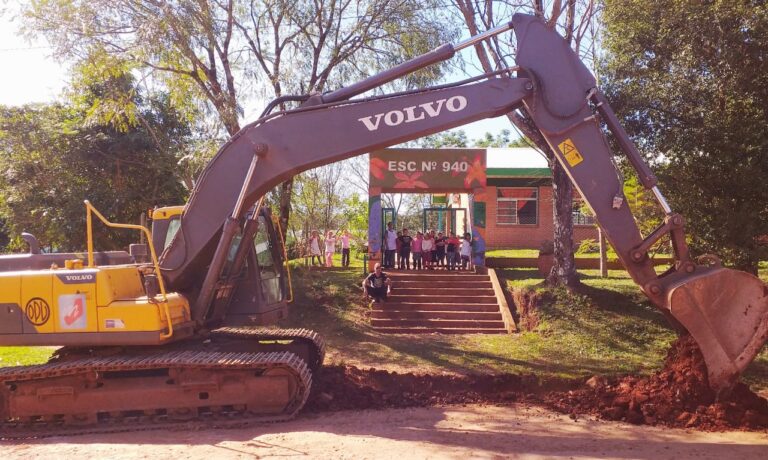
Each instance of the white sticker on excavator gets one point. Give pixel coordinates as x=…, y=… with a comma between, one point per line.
x=73, y=311
x=570, y=152
x=114, y=324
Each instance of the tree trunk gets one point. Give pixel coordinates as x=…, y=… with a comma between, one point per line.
x=286, y=191
x=564, y=272
x=603, y=254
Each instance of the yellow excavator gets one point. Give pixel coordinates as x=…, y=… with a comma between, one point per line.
x=179, y=337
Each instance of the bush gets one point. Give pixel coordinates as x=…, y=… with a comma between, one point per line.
x=588, y=246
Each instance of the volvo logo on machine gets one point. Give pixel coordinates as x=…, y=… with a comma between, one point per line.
x=414, y=113
x=77, y=278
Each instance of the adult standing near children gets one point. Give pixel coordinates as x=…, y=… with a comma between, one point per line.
x=416, y=248
x=330, y=248
x=314, y=247
x=390, y=245
x=345, y=249
x=377, y=285
x=440, y=250
x=433, y=237
x=405, y=250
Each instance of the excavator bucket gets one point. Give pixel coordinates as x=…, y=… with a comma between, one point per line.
x=726, y=312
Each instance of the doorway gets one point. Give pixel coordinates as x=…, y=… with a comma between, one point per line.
x=445, y=220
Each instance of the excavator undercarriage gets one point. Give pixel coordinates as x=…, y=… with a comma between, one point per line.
x=233, y=376
x=161, y=342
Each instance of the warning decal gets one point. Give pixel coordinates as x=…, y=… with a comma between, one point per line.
x=72, y=311
x=570, y=152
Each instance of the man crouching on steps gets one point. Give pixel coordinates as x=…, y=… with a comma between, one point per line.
x=377, y=285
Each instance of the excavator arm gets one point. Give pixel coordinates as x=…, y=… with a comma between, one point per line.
x=726, y=311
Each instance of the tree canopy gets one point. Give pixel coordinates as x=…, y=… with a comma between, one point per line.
x=691, y=82
x=55, y=156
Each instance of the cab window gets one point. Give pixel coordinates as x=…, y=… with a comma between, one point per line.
x=173, y=226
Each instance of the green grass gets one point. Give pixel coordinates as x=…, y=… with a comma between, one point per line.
x=575, y=337
x=535, y=253
x=355, y=261
x=619, y=322
x=19, y=356
x=512, y=253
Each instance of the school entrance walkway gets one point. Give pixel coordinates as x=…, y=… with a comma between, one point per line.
x=443, y=302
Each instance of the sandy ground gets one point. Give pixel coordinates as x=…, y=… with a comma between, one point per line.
x=447, y=432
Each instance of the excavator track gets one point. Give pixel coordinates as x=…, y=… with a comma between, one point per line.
x=304, y=342
x=147, y=391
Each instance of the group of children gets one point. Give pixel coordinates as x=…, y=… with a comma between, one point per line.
x=330, y=247
x=429, y=251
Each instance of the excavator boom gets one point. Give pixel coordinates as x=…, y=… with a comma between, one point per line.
x=560, y=94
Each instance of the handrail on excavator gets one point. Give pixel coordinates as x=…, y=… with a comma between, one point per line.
x=90, y=209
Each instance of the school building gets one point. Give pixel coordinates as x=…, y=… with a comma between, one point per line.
x=519, y=203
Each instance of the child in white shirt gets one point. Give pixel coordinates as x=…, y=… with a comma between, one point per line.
x=330, y=248
x=466, y=251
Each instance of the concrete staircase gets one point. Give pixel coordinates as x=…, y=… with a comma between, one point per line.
x=448, y=302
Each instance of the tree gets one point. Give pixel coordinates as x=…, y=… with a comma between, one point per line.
x=575, y=19
x=697, y=104
x=220, y=51
x=55, y=156
x=319, y=201
x=456, y=138
x=355, y=217
x=491, y=141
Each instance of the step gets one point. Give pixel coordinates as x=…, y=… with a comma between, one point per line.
x=442, y=284
x=427, y=291
x=421, y=314
x=414, y=306
x=438, y=323
x=468, y=299
x=437, y=277
x=439, y=330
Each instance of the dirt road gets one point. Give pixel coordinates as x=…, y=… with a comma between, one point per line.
x=517, y=431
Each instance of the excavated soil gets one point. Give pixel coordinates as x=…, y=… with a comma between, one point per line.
x=348, y=388
x=677, y=396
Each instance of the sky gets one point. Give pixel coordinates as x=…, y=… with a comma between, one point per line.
x=31, y=75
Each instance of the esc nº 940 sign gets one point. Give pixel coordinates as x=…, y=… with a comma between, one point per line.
x=427, y=166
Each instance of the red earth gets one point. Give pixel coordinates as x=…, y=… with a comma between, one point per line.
x=678, y=395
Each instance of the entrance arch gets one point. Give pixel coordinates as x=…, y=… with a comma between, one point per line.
x=460, y=172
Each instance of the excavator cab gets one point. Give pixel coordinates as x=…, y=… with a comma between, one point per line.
x=254, y=287
x=166, y=221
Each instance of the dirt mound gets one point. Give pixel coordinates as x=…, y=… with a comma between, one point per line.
x=678, y=395
x=347, y=387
